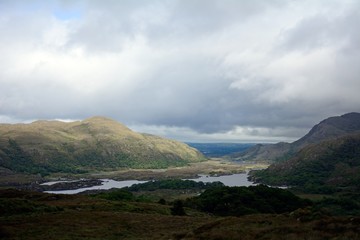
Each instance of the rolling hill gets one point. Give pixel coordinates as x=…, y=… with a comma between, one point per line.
x=327, y=129
x=96, y=143
x=325, y=167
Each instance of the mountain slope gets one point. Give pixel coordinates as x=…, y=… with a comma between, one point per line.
x=263, y=152
x=330, y=128
x=94, y=143
x=327, y=129
x=322, y=167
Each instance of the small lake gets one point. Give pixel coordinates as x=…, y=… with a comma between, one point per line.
x=106, y=184
x=233, y=180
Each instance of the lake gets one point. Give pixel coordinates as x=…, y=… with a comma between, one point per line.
x=232, y=180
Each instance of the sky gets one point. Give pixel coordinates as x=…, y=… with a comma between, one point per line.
x=191, y=70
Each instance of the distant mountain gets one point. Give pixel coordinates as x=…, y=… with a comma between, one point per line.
x=220, y=149
x=96, y=143
x=324, y=167
x=263, y=153
x=327, y=129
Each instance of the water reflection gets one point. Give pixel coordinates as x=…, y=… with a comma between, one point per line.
x=232, y=180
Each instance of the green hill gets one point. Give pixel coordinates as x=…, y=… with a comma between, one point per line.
x=329, y=166
x=327, y=129
x=96, y=143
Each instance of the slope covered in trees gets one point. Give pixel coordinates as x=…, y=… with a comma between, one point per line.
x=96, y=143
x=326, y=167
x=327, y=129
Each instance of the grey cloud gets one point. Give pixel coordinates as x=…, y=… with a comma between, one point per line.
x=108, y=26
x=205, y=67
x=324, y=30
x=309, y=34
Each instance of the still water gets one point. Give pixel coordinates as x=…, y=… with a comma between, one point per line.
x=232, y=180
x=239, y=179
x=106, y=184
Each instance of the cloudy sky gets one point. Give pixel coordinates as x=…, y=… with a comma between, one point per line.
x=192, y=70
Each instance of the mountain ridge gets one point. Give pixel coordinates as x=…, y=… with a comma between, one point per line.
x=329, y=128
x=95, y=143
x=323, y=167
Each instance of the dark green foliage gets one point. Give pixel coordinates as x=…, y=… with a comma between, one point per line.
x=237, y=201
x=156, y=163
x=14, y=202
x=178, y=208
x=333, y=127
x=19, y=161
x=286, y=156
x=117, y=195
x=23, y=206
x=98, y=143
x=339, y=206
x=324, y=168
x=173, y=184
x=86, y=217
x=162, y=201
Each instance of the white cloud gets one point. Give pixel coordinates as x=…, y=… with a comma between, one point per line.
x=232, y=70
x=240, y=134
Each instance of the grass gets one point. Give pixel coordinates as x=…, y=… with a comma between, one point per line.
x=213, y=166
x=99, y=225
x=93, y=144
x=86, y=217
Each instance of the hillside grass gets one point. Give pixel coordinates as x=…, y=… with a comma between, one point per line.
x=89, y=217
x=93, y=144
x=328, y=167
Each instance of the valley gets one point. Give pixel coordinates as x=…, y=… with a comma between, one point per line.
x=213, y=167
x=169, y=201
x=179, y=120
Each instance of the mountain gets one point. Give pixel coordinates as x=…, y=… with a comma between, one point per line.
x=262, y=153
x=220, y=149
x=96, y=143
x=324, y=167
x=327, y=129
x=331, y=128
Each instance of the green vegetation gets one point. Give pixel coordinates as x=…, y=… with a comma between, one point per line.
x=178, y=208
x=18, y=160
x=120, y=215
x=327, y=167
x=173, y=184
x=325, y=173
x=117, y=195
x=45, y=147
x=338, y=206
x=330, y=128
x=15, y=206
x=238, y=201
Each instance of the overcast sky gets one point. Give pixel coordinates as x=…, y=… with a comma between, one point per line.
x=192, y=70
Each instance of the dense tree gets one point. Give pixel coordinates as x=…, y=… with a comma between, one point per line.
x=178, y=208
x=237, y=201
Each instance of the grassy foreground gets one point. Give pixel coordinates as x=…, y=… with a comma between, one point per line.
x=29, y=215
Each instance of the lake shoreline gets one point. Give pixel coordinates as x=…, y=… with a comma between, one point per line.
x=213, y=167
x=237, y=179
